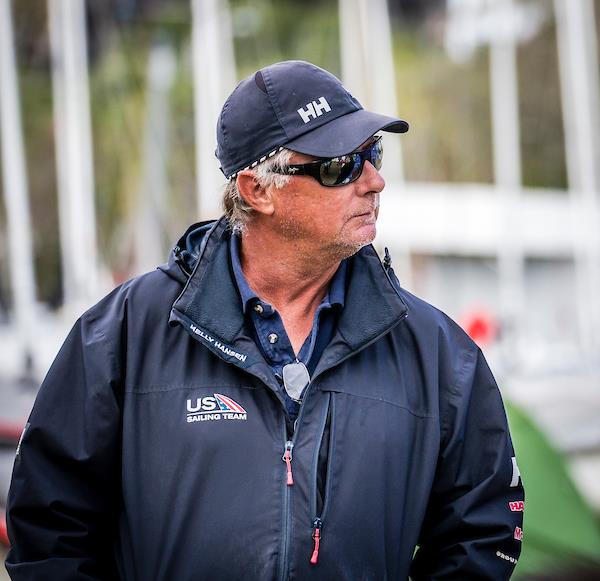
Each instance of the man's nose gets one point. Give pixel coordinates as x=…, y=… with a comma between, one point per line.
x=370, y=179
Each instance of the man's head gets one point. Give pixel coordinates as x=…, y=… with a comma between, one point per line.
x=296, y=113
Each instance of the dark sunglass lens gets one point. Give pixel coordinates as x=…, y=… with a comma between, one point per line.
x=335, y=171
x=330, y=172
x=355, y=165
x=350, y=169
x=345, y=169
x=377, y=154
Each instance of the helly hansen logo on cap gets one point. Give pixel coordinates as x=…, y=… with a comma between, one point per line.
x=215, y=407
x=314, y=109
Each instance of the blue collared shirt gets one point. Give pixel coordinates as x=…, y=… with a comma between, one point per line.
x=270, y=334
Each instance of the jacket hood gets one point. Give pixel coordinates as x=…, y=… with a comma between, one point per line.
x=184, y=255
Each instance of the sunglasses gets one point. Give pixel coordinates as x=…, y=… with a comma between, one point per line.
x=342, y=170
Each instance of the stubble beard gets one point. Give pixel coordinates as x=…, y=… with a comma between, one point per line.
x=338, y=249
x=348, y=248
x=345, y=249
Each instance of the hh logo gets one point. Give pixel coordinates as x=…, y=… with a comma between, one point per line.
x=518, y=534
x=215, y=407
x=314, y=109
x=517, y=505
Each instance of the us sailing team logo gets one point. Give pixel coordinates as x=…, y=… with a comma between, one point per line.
x=214, y=407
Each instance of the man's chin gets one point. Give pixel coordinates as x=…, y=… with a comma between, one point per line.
x=366, y=234
x=348, y=248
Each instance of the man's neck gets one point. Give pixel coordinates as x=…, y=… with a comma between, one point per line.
x=291, y=278
x=284, y=274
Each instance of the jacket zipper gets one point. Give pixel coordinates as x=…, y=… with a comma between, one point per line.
x=287, y=458
x=318, y=520
x=289, y=483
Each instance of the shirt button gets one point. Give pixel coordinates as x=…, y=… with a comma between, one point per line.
x=273, y=338
x=258, y=308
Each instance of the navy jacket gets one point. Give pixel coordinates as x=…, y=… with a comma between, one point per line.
x=158, y=446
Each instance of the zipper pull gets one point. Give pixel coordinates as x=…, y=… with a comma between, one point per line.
x=287, y=458
x=387, y=259
x=317, y=526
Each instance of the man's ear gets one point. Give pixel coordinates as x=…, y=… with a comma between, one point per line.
x=257, y=197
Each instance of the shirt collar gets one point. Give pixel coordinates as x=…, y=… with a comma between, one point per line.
x=335, y=296
x=337, y=286
x=246, y=293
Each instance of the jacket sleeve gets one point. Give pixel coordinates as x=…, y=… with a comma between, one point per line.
x=473, y=526
x=64, y=498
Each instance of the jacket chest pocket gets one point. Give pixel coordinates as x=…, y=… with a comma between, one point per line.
x=381, y=426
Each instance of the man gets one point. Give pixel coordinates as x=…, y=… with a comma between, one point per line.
x=271, y=404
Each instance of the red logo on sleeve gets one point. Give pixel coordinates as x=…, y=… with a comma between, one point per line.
x=518, y=534
x=517, y=505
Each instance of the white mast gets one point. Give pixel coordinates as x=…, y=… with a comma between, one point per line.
x=577, y=51
x=365, y=31
x=151, y=207
x=368, y=66
x=74, y=152
x=15, y=188
x=214, y=77
x=507, y=173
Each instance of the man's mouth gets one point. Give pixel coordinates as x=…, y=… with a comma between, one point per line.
x=366, y=213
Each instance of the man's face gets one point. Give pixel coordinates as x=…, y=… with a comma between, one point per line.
x=336, y=220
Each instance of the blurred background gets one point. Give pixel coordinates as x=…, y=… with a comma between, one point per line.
x=491, y=210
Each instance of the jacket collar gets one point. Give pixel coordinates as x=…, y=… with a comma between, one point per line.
x=210, y=310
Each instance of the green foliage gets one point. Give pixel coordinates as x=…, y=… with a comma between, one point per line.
x=38, y=129
x=117, y=87
x=268, y=31
x=542, y=137
x=447, y=105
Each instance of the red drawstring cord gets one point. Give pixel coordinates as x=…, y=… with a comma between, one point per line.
x=287, y=458
x=317, y=538
x=288, y=461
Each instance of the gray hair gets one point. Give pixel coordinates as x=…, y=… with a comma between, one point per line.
x=236, y=209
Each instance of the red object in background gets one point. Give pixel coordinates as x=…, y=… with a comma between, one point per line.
x=481, y=326
x=3, y=532
x=10, y=433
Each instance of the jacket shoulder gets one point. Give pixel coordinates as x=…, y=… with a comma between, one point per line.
x=425, y=319
x=147, y=297
x=452, y=359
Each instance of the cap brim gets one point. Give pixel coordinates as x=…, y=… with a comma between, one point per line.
x=345, y=134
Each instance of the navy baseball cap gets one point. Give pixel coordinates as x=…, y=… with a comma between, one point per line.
x=297, y=105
